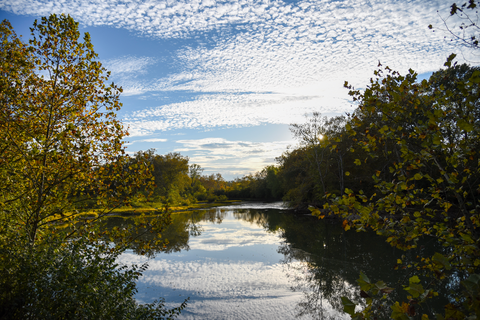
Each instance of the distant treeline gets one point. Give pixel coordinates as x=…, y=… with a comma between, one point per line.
x=331, y=158
x=176, y=182
x=325, y=162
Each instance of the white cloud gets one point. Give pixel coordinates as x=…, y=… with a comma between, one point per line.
x=129, y=65
x=232, y=158
x=156, y=18
x=126, y=71
x=234, y=110
x=270, y=61
x=152, y=140
x=146, y=140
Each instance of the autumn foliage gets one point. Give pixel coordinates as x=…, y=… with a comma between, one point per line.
x=63, y=169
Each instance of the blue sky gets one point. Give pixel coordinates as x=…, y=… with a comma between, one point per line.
x=220, y=81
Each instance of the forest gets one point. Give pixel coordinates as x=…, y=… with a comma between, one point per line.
x=405, y=164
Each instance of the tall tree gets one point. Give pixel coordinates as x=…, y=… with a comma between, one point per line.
x=61, y=142
x=60, y=154
x=431, y=185
x=311, y=134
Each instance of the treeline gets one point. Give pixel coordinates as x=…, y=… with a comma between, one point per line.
x=176, y=182
x=323, y=162
x=406, y=165
x=330, y=158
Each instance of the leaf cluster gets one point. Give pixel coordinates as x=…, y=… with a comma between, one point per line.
x=428, y=133
x=64, y=169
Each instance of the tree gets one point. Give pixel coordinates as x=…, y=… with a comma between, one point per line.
x=171, y=175
x=466, y=32
x=311, y=135
x=61, y=154
x=430, y=188
x=61, y=141
x=274, y=185
x=295, y=173
x=194, y=172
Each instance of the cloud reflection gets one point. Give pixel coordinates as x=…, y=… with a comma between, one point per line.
x=218, y=238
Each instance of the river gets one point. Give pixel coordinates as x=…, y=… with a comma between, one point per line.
x=261, y=261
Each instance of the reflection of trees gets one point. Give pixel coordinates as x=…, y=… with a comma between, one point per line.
x=213, y=215
x=324, y=262
x=175, y=237
x=321, y=289
x=264, y=218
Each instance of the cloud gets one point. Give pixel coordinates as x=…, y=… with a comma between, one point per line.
x=156, y=18
x=297, y=47
x=146, y=140
x=152, y=140
x=127, y=70
x=232, y=110
x=129, y=65
x=232, y=158
x=260, y=61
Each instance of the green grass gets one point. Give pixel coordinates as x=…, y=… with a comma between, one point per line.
x=150, y=207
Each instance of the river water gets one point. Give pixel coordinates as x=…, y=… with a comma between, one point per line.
x=261, y=261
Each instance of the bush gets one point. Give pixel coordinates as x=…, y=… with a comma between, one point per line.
x=79, y=279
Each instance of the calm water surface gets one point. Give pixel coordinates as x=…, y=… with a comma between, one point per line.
x=260, y=261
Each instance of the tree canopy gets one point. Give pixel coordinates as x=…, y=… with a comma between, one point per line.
x=62, y=156
x=427, y=135
x=61, y=144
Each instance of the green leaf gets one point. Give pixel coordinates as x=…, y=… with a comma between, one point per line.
x=398, y=312
x=441, y=260
x=348, y=306
x=415, y=289
x=364, y=282
x=450, y=58
x=472, y=285
x=464, y=125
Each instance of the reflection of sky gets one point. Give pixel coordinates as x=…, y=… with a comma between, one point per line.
x=226, y=237
x=233, y=271
x=259, y=205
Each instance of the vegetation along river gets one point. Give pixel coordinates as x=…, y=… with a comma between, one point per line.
x=262, y=261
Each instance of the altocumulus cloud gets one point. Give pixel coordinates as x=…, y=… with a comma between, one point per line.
x=288, y=60
x=227, y=110
x=232, y=157
x=147, y=140
x=129, y=65
x=266, y=61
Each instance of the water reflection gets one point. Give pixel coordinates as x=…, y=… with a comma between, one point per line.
x=266, y=263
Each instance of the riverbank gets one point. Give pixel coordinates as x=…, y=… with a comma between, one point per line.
x=153, y=207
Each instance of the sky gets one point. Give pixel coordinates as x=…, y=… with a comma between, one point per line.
x=220, y=81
